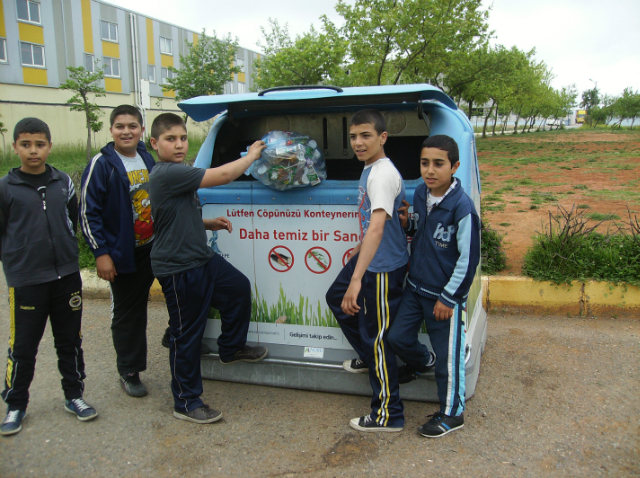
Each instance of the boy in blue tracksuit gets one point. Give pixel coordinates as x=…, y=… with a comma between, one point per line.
x=445, y=253
x=115, y=215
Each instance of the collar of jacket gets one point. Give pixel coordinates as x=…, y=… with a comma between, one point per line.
x=451, y=199
x=110, y=154
x=15, y=179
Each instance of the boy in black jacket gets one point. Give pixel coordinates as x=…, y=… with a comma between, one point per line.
x=38, y=219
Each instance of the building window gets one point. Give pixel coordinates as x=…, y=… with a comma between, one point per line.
x=3, y=50
x=151, y=70
x=28, y=11
x=166, y=46
x=32, y=55
x=240, y=63
x=109, y=31
x=166, y=74
x=89, y=64
x=111, y=67
x=241, y=88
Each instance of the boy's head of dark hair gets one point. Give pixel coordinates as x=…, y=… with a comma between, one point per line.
x=164, y=122
x=125, y=110
x=369, y=116
x=445, y=143
x=31, y=126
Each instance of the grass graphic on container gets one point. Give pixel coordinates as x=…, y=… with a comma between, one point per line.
x=285, y=311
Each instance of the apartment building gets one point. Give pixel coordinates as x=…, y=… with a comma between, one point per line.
x=39, y=39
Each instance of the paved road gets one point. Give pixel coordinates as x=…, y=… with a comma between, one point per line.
x=556, y=397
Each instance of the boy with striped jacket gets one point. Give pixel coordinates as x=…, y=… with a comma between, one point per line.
x=445, y=253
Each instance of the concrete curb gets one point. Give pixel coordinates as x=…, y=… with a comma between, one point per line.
x=500, y=294
x=521, y=295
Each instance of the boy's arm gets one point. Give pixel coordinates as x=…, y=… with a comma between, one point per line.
x=217, y=224
x=368, y=249
x=228, y=172
x=92, y=192
x=468, y=241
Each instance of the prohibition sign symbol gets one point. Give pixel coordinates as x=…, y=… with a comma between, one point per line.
x=345, y=258
x=281, y=259
x=317, y=260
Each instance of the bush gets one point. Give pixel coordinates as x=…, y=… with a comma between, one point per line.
x=571, y=249
x=493, y=258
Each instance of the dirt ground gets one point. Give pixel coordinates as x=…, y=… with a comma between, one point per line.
x=573, y=183
x=556, y=397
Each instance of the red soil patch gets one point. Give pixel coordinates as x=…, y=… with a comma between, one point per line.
x=525, y=222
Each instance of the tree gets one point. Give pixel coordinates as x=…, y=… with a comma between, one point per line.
x=205, y=69
x=3, y=130
x=407, y=41
x=312, y=58
x=85, y=83
x=627, y=106
x=590, y=101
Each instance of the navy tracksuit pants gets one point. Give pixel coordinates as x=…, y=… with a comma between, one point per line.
x=447, y=339
x=29, y=307
x=190, y=296
x=367, y=331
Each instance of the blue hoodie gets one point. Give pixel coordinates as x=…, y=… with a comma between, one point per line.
x=445, y=250
x=106, y=213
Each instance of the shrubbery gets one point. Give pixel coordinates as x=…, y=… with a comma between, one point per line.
x=494, y=258
x=570, y=249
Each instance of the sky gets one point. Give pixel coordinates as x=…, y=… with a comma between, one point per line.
x=581, y=41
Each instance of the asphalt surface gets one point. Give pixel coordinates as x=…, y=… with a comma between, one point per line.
x=556, y=397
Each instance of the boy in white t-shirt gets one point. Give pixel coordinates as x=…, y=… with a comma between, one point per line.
x=366, y=294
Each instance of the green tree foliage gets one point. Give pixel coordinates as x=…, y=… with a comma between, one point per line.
x=3, y=130
x=84, y=83
x=407, y=41
x=590, y=99
x=310, y=59
x=205, y=69
x=627, y=106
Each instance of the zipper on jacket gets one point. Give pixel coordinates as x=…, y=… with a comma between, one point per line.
x=43, y=194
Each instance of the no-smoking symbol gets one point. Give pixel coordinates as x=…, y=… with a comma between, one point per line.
x=317, y=260
x=281, y=259
x=346, y=256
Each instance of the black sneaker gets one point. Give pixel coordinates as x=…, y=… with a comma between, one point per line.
x=355, y=366
x=82, y=409
x=407, y=373
x=12, y=423
x=248, y=354
x=205, y=349
x=204, y=414
x=132, y=385
x=368, y=424
x=440, y=424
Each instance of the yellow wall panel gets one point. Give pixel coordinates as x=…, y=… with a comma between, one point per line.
x=195, y=35
x=3, y=31
x=34, y=76
x=241, y=77
x=31, y=33
x=151, y=53
x=110, y=49
x=170, y=94
x=113, y=85
x=166, y=60
x=87, y=30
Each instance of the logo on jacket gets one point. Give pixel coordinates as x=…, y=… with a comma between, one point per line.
x=444, y=235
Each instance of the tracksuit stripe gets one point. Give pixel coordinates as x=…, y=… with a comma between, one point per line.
x=382, y=306
x=12, y=339
x=84, y=222
x=175, y=292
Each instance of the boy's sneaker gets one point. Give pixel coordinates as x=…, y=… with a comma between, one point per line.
x=204, y=414
x=355, y=366
x=204, y=350
x=82, y=409
x=248, y=354
x=132, y=385
x=12, y=423
x=440, y=424
x=407, y=373
x=368, y=424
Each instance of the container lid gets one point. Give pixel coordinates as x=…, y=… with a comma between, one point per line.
x=311, y=98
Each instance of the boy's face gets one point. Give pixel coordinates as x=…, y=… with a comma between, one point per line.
x=436, y=170
x=367, y=143
x=33, y=150
x=126, y=133
x=172, y=145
